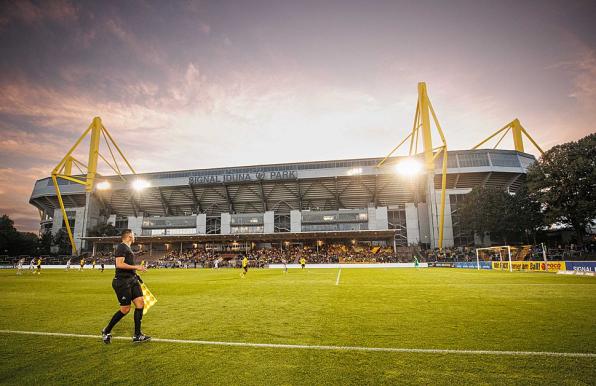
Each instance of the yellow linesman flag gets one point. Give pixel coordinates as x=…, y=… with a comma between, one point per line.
x=148, y=298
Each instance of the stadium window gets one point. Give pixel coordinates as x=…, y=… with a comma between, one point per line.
x=213, y=225
x=281, y=223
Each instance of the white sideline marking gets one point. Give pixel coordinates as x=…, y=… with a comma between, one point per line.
x=316, y=347
x=338, y=275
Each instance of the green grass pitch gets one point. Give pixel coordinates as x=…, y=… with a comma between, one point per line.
x=401, y=308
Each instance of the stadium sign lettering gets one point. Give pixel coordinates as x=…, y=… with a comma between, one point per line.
x=242, y=177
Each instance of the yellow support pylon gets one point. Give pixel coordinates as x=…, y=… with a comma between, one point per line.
x=517, y=131
x=422, y=122
x=64, y=168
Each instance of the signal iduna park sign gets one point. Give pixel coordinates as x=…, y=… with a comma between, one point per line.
x=242, y=177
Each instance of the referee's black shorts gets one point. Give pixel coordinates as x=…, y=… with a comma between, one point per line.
x=127, y=290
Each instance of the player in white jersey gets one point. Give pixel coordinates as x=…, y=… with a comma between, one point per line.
x=20, y=266
x=216, y=264
x=285, y=263
x=32, y=265
x=68, y=264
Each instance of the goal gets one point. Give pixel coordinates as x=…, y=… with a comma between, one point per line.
x=491, y=254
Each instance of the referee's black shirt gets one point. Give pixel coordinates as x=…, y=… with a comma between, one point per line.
x=129, y=258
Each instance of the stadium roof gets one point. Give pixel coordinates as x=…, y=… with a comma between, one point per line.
x=320, y=185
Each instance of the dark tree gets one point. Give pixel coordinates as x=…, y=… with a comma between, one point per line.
x=63, y=242
x=45, y=243
x=505, y=216
x=13, y=242
x=8, y=235
x=564, y=181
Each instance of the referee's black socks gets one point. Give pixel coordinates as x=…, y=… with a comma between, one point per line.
x=138, y=317
x=115, y=319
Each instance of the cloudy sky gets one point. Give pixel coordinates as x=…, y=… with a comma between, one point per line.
x=205, y=84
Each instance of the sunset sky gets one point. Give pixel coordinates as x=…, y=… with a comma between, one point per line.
x=184, y=85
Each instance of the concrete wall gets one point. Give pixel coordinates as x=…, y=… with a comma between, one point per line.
x=135, y=224
x=448, y=225
x=372, y=218
x=295, y=221
x=226, y=218
x=57, y=221
x=412, y=224
x=92, y=217
x=423, y=225
x=377, y=218
x=269, y=222
x=434, y=216
x=201, y=223
x=382, y=223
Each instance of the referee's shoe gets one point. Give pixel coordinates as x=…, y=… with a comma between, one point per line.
x=106, y=337
x=141, y=338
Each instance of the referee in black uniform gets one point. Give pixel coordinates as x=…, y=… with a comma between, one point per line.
x=128, y=289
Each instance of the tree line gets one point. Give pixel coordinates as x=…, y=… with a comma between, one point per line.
x=15, y=243
x=559, y=190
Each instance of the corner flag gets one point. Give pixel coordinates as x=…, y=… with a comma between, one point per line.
x=148, y=298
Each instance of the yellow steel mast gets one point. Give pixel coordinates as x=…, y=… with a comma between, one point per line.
x=517, y=130
x=422, y=126
x=64, y=168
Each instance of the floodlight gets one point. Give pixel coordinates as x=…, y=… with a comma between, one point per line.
x=354, y=172
x=408, y=167
x=103, y=185
x=139, y=185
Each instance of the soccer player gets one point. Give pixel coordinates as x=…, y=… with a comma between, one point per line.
x=303, y=262
x=244, y=266
x=102, y=265
x=68, y=265
x=127, y=288
x=82, y=264
x=93, y=263
x=416, y=262
x=285, y=263
x=38, y=266
x=20, y=266
x=32, y=265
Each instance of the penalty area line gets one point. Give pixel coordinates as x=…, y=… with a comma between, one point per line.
x=324, y=348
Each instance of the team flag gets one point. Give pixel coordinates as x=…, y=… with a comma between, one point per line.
x=148, y=298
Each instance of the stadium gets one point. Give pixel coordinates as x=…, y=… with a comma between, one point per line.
x=339, y=200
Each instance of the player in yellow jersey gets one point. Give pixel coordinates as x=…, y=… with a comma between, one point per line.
x=93, y=263
x=38, y=266
x=303, y=262
x=82, y=264
x=244, y=267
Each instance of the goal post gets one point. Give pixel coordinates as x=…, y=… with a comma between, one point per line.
x=500, y=249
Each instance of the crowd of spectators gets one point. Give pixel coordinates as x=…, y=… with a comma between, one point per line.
x=262, y=257
x=323, y=254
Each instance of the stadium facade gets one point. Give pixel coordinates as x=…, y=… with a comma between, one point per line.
x=307, y=202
